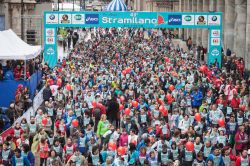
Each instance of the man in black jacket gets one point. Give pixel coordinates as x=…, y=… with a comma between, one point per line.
x=10, y=112
x=47, y=93
x=75, y=38
x=228, y=53
x=112, y=112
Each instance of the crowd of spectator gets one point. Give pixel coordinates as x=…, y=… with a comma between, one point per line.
x=15, y=69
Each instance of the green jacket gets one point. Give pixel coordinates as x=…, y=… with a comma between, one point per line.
x=102, y=128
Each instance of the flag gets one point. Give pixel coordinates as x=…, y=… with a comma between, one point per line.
x=54, y=89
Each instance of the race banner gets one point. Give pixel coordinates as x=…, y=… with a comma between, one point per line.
x=154, y=20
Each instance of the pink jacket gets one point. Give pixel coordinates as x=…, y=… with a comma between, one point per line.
x=123, y=140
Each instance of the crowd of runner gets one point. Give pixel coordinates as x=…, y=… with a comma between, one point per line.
x=126, y=97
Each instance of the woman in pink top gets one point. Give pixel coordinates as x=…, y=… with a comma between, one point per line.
x=123, y=141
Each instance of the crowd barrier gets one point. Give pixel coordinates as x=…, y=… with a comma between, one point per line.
x=37, y=101
x=8, y=88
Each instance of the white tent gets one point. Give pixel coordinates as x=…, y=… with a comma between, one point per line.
x=14, y=48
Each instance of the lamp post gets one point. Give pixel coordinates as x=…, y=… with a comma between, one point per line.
x=58, y=5
x=22, y=25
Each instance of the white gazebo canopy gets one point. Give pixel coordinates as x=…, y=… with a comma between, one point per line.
x=14, y=48
x=117, y=5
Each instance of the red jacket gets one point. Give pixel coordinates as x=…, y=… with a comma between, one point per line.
x=232, y=156
x=17, y=73
x=101, y=107
x=43, y=150
x=238, y=161
x=235, y=102
x=240, y=137
x=224, y=102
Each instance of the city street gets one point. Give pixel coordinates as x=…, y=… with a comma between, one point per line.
x=125, y=83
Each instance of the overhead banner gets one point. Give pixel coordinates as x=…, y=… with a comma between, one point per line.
x=56, y=19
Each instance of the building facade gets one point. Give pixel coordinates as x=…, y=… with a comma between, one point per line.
x=28, y=22
x=236, y=18
x=236, y=21
x=11, y=11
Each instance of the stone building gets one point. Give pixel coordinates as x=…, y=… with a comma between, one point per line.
x=236, y=21
x=236, y=18
x=11, y=13
x=11, y=17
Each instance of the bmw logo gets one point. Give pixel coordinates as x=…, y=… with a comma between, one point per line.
x=214, y=18
x=52, y=17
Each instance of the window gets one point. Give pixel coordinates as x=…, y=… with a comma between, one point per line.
x=2, y=23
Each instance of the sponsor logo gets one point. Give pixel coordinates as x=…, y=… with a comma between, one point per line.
x=160, y=20
x=129, y=21
x=201, y=20
x=215, y=33
x=78, y=17
x=215, y=52
x=174, y=20
x=92, y=19
x=65, y=19
x=188, y=18
x=214, y=19
x=50, y=51
x=215, y=41
x=50, y=40
x=52, y=17
x=49, y=32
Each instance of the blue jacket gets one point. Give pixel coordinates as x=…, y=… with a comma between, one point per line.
x=31, y=158
x=141, y=144
x=105, y=154
x=25, y=161
x=67, y=122
x=196, y=98
x=134, y=156
x=144, y=105
x=104, y=164
x=219, y=160
x=86, y=141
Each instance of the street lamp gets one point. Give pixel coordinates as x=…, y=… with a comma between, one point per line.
x=58, y=5
x=22, y=23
